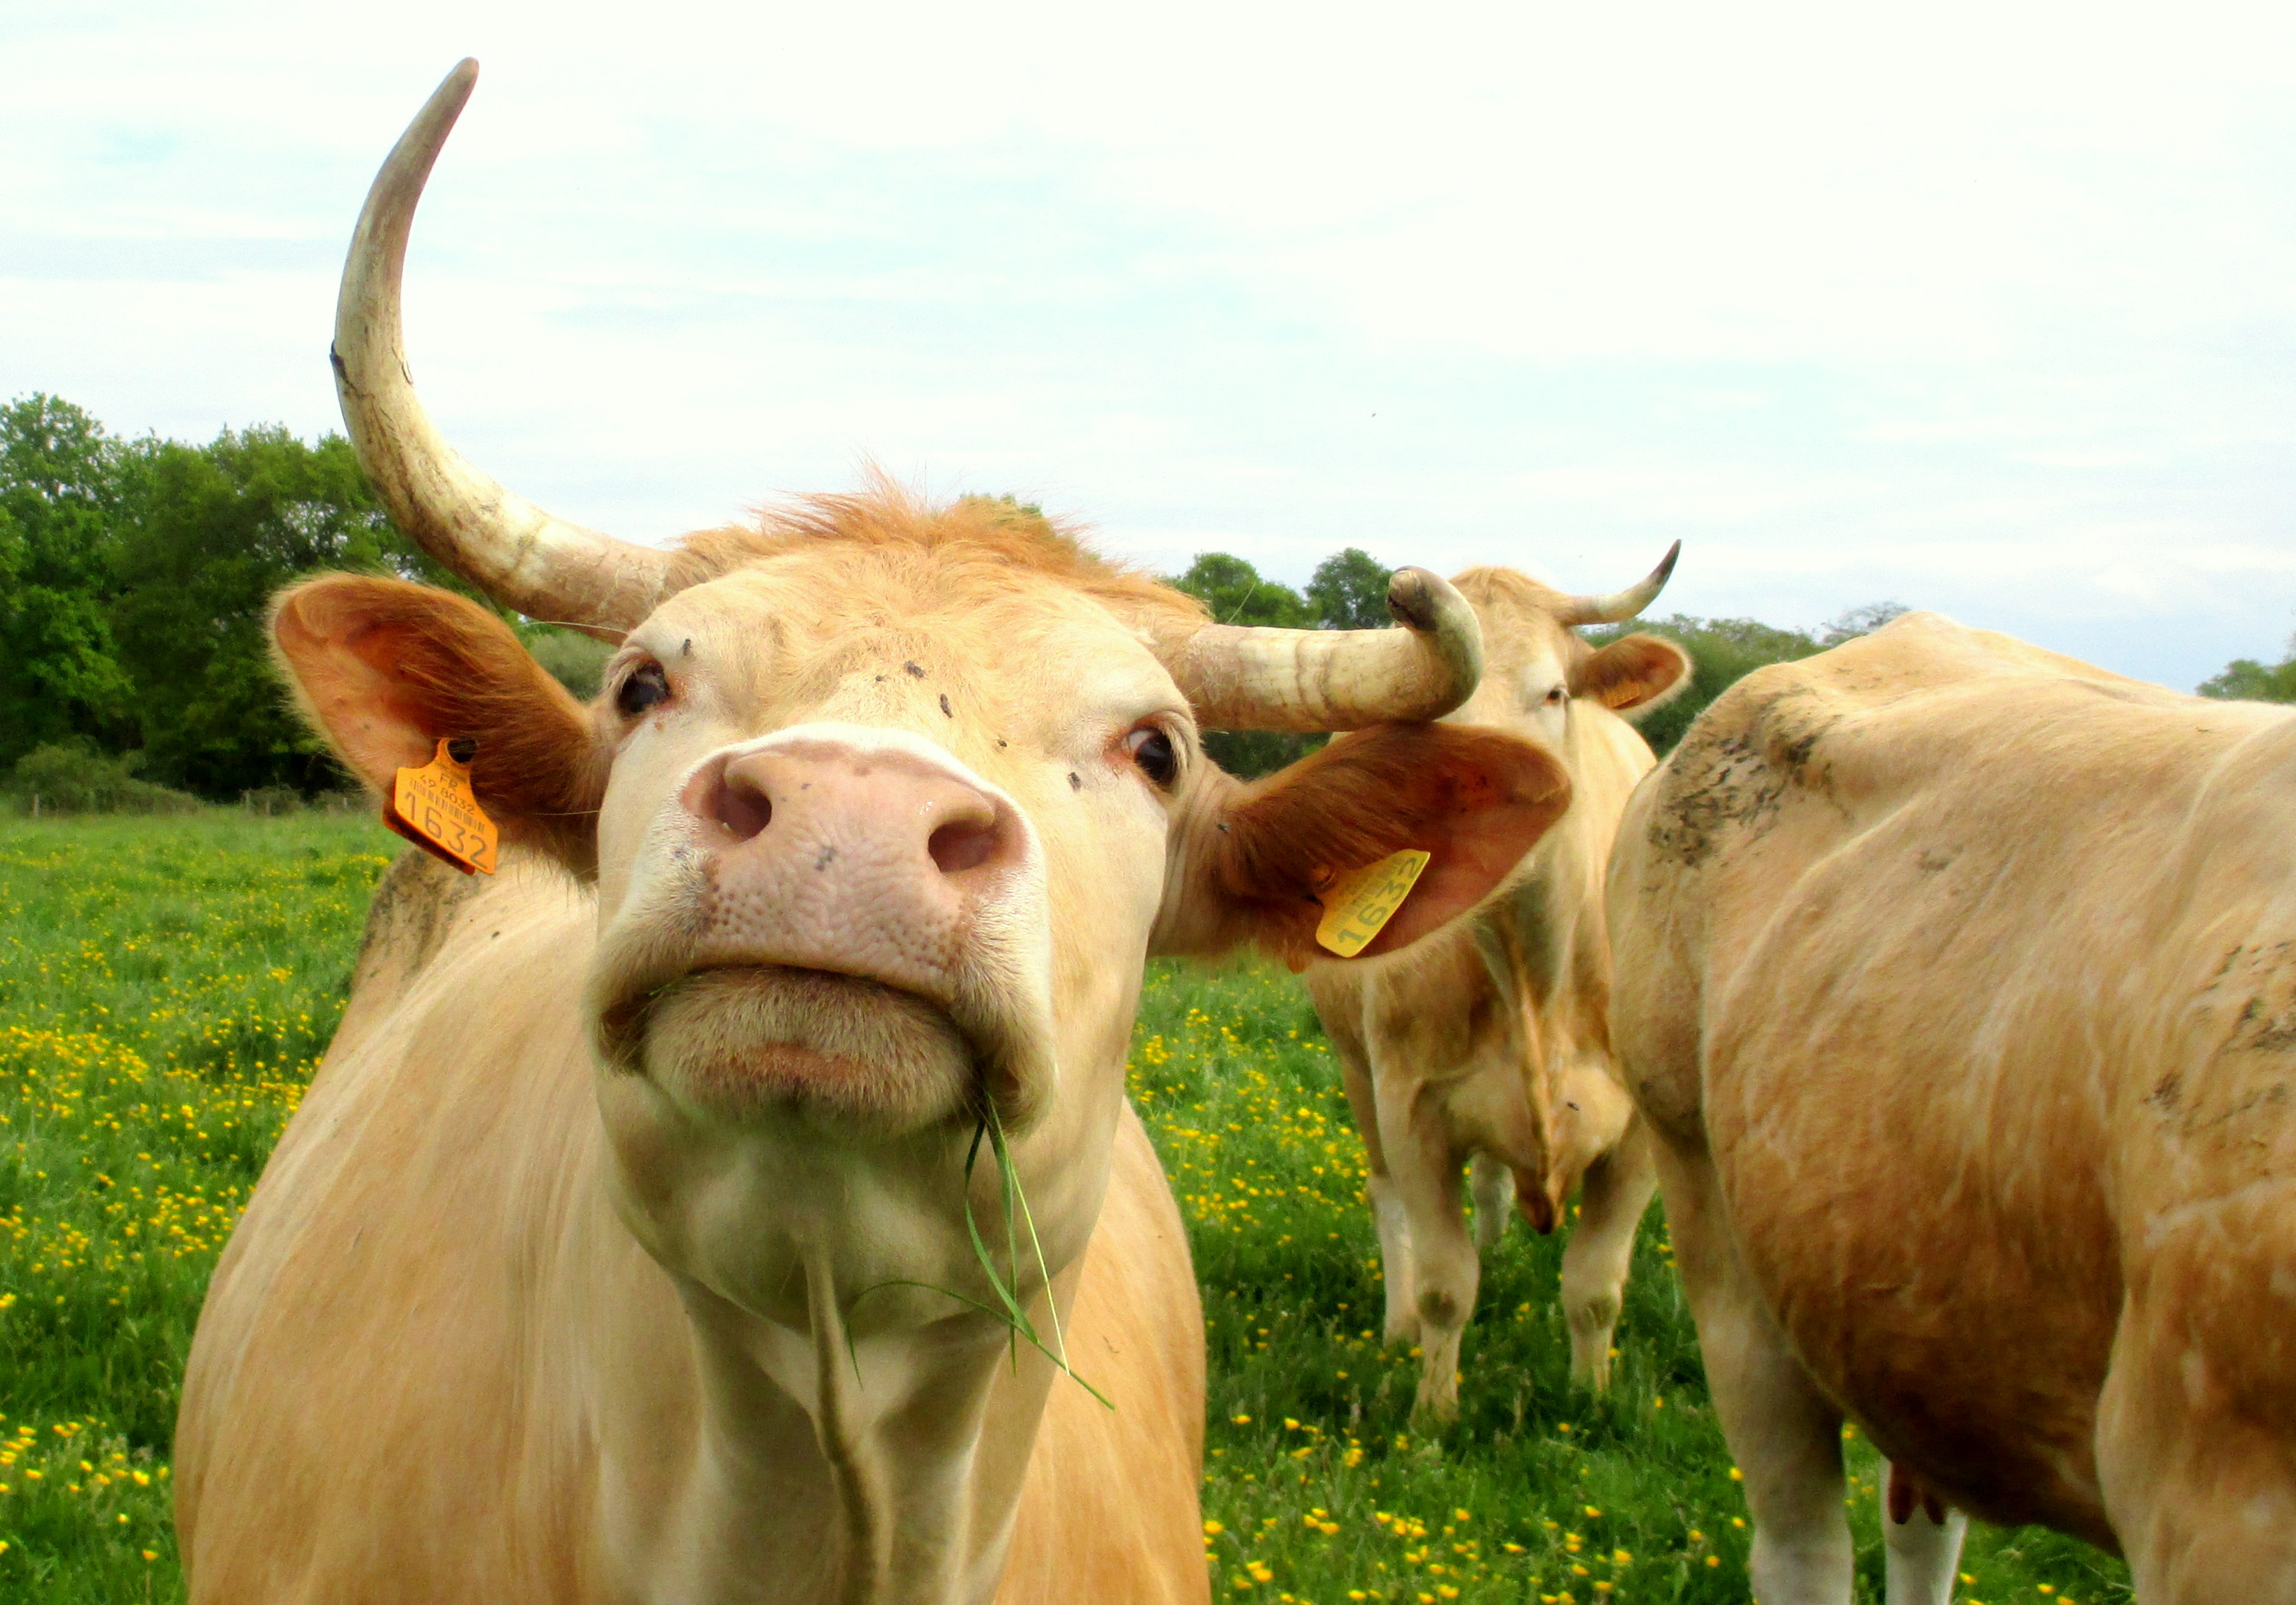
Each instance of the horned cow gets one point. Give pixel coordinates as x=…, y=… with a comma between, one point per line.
x=1489, y=1040
x=630, y=1244
x=1957, y=980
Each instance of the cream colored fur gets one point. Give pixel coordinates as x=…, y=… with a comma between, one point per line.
x=1957, y=981
x=1488, y=1040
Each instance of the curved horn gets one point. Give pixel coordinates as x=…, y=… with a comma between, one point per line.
x=1241, y=678
x=1620, y=606
x=511, y=550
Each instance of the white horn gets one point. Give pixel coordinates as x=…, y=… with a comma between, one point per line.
x=1620, y=606
x=1241, y=679
x=514, y=552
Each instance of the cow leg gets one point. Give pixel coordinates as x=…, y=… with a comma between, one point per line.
x=2219, y=1522
x=1426, y=1170
x=1616, y=1191
x=1491, y=1184
x=1782, y=1432
x=1922, y=1540
x=2192, y=1428
x=1401, y=1328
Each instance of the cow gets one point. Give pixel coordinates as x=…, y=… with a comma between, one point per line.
x=735, y=1197
x=1488, y=1041
x=1956, y=982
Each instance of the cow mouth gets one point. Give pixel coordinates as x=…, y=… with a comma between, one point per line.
x=757, y=1041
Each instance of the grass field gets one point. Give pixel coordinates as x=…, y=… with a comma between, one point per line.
x=167, y=986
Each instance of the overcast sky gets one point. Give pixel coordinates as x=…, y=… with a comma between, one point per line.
x=1990, y=309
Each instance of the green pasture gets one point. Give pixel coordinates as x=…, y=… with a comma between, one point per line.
x=168, y=984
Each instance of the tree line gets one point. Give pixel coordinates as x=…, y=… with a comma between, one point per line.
x=134, y=575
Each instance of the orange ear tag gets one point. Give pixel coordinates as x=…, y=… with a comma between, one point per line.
x=1360, y=904
x=434, y=808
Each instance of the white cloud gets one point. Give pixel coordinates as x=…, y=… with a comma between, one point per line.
x=1987, y=308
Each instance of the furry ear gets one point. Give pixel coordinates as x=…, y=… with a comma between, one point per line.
x=385, y=670
x=1250, y=861
x=1635, y=672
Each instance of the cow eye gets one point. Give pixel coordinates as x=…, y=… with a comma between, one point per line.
x=1152, y=748
x=1554, y=694
x=641, y=689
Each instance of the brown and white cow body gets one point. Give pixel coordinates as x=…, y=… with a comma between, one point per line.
x=1489, y=1040
x=1957, y=983
x=624, y=1246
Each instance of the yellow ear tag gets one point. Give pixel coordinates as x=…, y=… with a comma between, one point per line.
x=434, y=808
x=1359, y=905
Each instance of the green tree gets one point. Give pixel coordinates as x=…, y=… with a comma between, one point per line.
x=60, y=673
x=2245, y=680
x=72, y=777
x=1236, y=593
x=207, y=535
x=1349, y=592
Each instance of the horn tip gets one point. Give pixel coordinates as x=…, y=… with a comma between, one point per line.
x=1411, y=600
x=453, y=94
x=1665, y=571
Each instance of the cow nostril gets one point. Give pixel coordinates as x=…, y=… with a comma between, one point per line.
x=963, y=844
x=743, y=809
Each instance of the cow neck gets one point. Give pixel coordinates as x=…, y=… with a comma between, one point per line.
x=918, y=1455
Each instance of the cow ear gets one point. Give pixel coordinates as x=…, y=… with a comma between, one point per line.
x=1633, y=673
x=1251, y=861
x=385, y=670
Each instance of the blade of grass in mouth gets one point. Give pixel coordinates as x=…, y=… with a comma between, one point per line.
x=1008, y=1308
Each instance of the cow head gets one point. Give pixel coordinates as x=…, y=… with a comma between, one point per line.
x=1539, y=673
x=885, y=806
x=1543, y=942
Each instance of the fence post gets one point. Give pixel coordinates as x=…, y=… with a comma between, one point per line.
x=36, y=805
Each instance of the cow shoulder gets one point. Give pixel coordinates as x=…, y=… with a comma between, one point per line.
x=414, y=909
x=1778, y=772
x=416, y=905
x=1877, y=716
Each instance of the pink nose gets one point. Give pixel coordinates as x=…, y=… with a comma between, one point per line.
x=866, y=861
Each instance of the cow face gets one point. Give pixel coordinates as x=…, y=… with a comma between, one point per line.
x=882, y=832
x=1539, y=669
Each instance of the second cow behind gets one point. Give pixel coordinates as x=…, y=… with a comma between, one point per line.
x=1488, y=1041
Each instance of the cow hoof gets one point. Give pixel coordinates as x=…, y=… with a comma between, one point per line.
x=1435, y=1407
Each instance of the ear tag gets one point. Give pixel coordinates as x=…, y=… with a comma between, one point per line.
x=434, y=808
x=1360, y=904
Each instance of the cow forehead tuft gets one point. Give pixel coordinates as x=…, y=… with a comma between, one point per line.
x=950, y=594
x=981, y=544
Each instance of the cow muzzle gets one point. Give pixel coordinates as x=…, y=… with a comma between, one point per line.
x=842, y=920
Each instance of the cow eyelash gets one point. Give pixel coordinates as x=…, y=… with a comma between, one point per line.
x=1153, y=749
x=645, y=687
